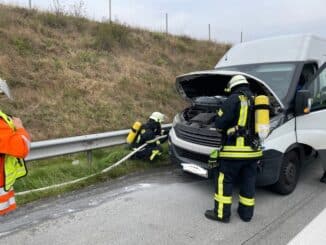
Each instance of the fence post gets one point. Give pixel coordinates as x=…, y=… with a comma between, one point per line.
x=110, y=18
x=89, y=158
x=209, y=32
x=166, y=24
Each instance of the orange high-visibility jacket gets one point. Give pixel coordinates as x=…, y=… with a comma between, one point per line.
x=14, y=143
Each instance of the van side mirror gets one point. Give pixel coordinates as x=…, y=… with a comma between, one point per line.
x=302, y=102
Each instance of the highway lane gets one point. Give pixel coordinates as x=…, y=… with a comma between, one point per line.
x=162, y=207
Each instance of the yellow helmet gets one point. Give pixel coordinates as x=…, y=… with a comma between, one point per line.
x=157, y=117
x=235, y=81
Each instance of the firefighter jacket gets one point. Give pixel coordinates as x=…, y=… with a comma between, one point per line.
x=149, y=131
x=236, y=119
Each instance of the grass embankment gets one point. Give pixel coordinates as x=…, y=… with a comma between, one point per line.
x=59, y=170
x=71, y=76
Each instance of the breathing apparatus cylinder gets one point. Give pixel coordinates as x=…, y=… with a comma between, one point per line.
x=133, y=132
x=262, y=125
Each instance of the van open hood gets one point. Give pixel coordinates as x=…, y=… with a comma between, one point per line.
x=213, y=83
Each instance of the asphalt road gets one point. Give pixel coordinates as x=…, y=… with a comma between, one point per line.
x=164, y=206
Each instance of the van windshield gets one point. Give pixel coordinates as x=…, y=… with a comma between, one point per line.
x=277, y=75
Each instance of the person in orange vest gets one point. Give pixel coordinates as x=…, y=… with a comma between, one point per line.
x=14, y=146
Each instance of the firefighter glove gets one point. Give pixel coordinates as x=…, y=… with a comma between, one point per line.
x=212, y=161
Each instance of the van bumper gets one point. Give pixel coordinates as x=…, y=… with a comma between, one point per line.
x=269, y=175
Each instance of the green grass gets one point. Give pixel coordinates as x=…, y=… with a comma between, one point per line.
x=109, y=35
x=23, y=45
x=59, y=170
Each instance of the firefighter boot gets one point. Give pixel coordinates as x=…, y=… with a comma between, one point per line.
x=243, y=214
x=211, y=214
x=323, y=178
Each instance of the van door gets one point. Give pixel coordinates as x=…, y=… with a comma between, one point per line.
x=311, y=127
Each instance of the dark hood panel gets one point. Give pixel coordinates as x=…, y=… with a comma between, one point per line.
x=213, y=83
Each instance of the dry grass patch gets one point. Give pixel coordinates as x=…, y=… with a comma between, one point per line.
x=71, y=76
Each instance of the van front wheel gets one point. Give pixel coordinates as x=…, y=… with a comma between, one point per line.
x=289, y=174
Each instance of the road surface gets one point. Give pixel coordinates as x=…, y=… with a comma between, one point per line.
x=163, y=206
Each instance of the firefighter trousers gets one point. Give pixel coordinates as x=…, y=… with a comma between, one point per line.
x=150, y=152
x=229, y=172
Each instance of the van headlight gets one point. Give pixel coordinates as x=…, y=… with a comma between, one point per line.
x=176, y=120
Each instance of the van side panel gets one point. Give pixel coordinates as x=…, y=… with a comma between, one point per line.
x=282, y=137
x=311, y=129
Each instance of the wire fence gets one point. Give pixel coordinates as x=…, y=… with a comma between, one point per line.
x=109, y=9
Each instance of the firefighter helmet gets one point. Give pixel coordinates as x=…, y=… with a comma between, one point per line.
x=157, y=117
x=235, y=81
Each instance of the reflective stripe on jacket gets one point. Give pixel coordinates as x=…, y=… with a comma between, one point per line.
x=240, y=150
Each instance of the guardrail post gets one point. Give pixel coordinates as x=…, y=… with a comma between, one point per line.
x=89, y=158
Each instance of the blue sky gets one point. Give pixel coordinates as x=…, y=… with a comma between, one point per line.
x=256, y=18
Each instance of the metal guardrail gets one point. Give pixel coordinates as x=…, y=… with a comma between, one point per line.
x=58, y=147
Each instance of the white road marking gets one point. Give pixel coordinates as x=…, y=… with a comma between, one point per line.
x=313, y=233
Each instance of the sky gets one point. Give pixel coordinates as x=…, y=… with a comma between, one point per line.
x=227, y=18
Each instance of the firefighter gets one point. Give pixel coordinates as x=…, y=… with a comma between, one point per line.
x=239, y=154
x=14, y=146
x=148, y=132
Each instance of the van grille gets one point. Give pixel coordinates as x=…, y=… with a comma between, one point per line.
x=201, y=136
x=191, y=155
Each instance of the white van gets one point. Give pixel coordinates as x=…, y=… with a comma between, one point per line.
x=290, y=71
